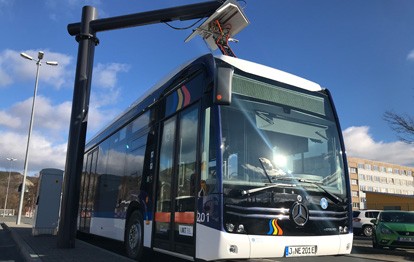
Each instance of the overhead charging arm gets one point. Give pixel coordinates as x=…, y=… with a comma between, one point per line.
x=85, y=33
x=222, y=38
x=221, y=27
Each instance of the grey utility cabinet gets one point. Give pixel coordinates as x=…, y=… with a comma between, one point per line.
x=49, y=194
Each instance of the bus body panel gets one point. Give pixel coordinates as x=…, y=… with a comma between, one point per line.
x=147, y=233
x=274, y=246
x=108, y=227
x=114, y=228
x=214, y=210
x=213, y=245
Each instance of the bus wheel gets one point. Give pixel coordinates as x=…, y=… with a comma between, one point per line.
x=134, y=236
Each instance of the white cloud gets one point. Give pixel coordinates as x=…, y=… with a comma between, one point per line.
x=410, y=55
x=98, y=119
x=8, y=120
x=51, y=119
x=359, y=143
x=48, y=142
x=60, y=10
x=6, y=3
x=105, y=75
x=53, y=75
x=105, y=89
x=14, y=68
x=6, y=7
x=42, y=154
x=5, y=79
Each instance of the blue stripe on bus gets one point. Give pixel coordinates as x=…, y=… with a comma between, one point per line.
x=173, y=106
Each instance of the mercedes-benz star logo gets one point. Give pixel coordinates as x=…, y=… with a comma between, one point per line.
x=299, y=213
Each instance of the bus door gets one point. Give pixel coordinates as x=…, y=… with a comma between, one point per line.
x=175, y=204
x=87, y=191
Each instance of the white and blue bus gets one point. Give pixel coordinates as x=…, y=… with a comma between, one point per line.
x=224, y=159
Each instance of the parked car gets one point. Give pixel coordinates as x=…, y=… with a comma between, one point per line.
x=393, y=229
x=361, y=221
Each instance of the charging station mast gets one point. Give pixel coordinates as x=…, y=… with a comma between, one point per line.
x=48, y=200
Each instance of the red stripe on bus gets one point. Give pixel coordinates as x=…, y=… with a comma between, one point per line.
x=163, y=217
x=184, y=217
x=187, y=95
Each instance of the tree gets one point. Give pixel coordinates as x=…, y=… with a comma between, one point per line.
x=403, y=125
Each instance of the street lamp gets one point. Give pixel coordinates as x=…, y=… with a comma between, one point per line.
x=26, y=159
x=11, y=159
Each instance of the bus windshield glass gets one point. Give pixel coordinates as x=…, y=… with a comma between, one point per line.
x=280, y=135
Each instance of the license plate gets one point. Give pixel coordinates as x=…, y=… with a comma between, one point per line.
x=406, y=239
x=298, y=251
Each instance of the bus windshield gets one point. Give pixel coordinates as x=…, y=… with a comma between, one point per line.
x=280, y=136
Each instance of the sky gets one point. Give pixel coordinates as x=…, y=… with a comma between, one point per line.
x=362, y=51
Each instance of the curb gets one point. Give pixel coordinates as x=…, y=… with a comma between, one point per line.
x=29, y=254
x=25, y=250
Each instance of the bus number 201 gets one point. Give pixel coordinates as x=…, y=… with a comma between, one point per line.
x=203, y=217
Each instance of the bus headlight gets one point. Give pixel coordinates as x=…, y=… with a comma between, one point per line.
x=343, y=230
x=230, y=227
x=240, y=229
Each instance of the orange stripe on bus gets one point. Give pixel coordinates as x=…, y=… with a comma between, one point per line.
x=163, y=217
x=184, y=217
x=180, y=217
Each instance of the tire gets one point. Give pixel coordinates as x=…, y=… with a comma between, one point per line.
x=367, y=231
x=375, y=244
x=134, y=236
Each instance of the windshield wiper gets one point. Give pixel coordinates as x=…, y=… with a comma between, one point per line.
x=255, y=190
x=315, y=183
x=267, y=165
x=262, y=161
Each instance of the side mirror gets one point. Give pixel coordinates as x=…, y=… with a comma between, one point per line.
x=373, y=221
x=222, y=85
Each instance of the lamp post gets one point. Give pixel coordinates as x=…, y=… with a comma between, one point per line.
x=11, y=159
x=26, y=159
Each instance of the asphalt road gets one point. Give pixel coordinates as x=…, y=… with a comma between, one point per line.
x=362, y=250
x=8, y=248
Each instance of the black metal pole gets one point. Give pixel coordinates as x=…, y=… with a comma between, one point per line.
x=85, y=32
x=77, y=130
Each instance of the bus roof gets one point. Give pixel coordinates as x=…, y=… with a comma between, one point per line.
x=151, y=95
x=271, y=73
x=243, y=65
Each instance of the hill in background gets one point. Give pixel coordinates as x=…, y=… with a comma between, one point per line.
x=13, y=198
